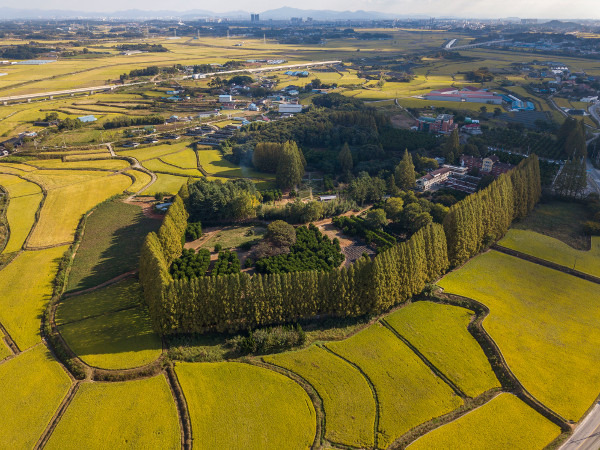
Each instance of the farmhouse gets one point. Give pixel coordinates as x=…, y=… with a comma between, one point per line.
x=433, y=178
x=443, y=124
x=489, y=165
x=289, y=108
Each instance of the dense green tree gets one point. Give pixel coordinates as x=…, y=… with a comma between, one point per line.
x=345, y=159
x=281, y=234
x=405, y=172
x=290, y=169
x=376, y=219
x=393, y=208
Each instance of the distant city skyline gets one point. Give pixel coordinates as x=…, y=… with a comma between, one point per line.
x=485, y=9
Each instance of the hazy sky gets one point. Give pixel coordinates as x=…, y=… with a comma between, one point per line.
x=560, y=9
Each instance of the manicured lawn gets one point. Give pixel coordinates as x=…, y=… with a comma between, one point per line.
x=502, y=423
x=546, y=323
x=110, y=328
x=440, y=333
x=132, y=414
x=111, y=244
x=236, y=405
x=64, y=207
x=212, y=161
x=408, y=392
x=32, y=385
x=347, y=398
x=26, y=288
x=553, y=250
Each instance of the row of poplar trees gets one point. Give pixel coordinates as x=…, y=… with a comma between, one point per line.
x=485, y=216
x=368, y=286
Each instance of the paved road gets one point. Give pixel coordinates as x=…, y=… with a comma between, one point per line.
x=104, y=87
x=587, y=433
x=268, y=68
x=107, y=87
x=480, y=44
x=593, y=176
x=449, y=45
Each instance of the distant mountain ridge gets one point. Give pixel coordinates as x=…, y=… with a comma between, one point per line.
x=284, y=13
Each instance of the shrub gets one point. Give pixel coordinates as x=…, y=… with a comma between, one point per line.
x=228, y=263
x=592, y=228
x=190, y=264
x=248, y=263
x=268, y=340
x=193, y=231
x=218, y=248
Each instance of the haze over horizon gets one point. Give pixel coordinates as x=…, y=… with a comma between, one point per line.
x=547, y=9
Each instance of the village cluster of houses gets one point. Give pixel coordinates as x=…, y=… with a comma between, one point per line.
x=461, y=178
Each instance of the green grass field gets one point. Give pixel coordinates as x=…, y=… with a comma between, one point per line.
x=553, y=250
x=185, y=159
x=234, y=236
x=212, y=161
x=32, y=386
x=132, y=414
x=155, y=151
x=26, y=288
x=156, y=165
x=546, y=323
x=407, y=390
x=239, y=406
x=64, y=207
x=560, y=220
x=111, y=244
x=440, y=333
x=502, y=423
x=110, y=328
x=347, y=398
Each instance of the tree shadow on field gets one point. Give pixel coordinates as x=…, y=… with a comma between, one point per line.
x=116, y=332
x=122, y=254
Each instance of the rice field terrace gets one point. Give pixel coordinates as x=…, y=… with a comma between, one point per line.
x=544, y=342
x=417, y=375
x=504, y=422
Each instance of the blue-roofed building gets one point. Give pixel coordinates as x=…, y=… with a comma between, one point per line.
x=87, y=119
x=520, y=105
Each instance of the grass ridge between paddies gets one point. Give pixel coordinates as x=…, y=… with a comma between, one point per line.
x=408, y=392
x=347, y=398
x=440, y=333
x=131, y=414
x=239, y=406
x=505, y=422
x=553, y=250
x=32, y=386
x=546, y=323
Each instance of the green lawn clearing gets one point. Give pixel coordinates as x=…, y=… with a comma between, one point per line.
x=553, y=250
x=234, y=236
x=546, y=323
x=166, y=183
x=407, y=390
x=503, y=423
x=440, y=333
x=347, y=398
x=239, y=406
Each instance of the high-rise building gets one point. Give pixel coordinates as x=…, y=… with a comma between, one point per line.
x=254, y=18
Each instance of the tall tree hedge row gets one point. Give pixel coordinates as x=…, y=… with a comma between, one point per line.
x=240, y=301
x=485, y=216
